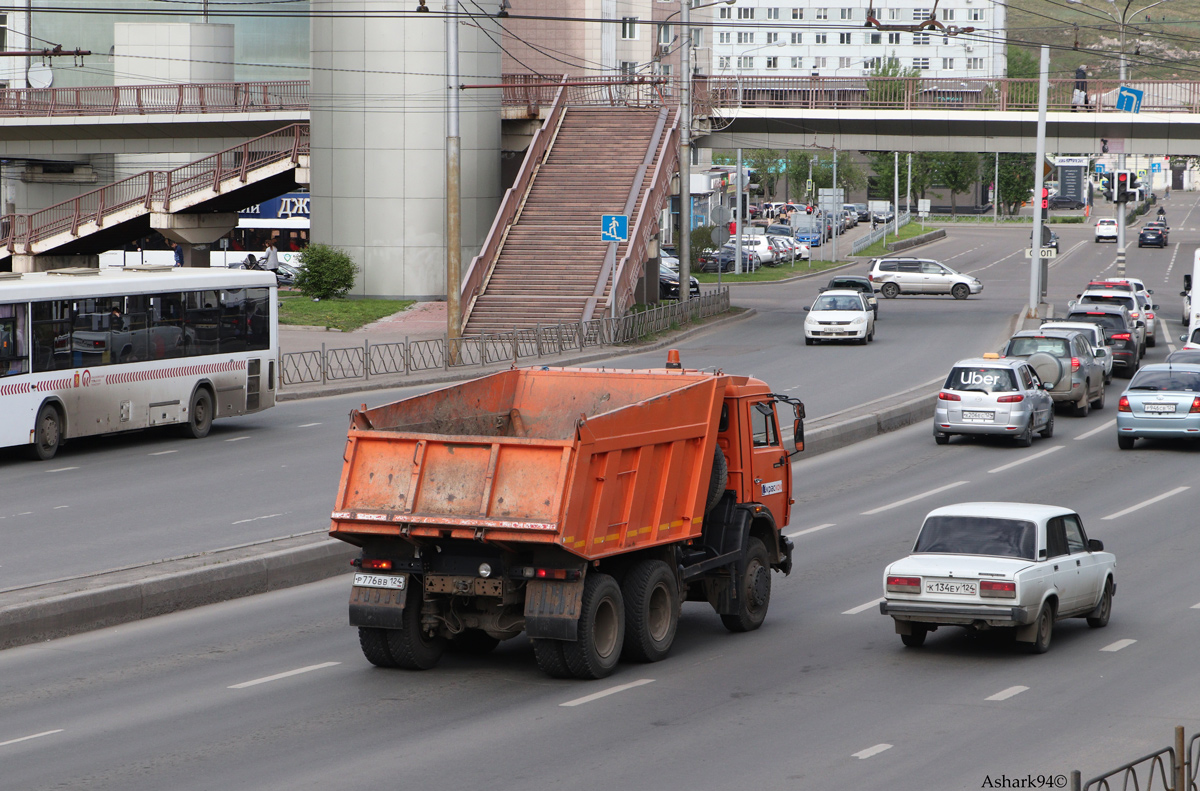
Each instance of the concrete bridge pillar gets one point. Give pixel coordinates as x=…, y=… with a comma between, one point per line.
x=194, y=229
x=42, y=263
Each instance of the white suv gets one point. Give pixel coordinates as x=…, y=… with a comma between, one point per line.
x=1106, y=229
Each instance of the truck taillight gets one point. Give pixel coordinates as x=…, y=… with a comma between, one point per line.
x=535, y=572
x=377, y=565
x=944, y=396
x=1123, y=405
x=1010, y=399
x=903, y=584
x=992, y=589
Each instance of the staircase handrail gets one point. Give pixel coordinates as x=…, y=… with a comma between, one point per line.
x=628, y=271
x=482, y=264
x=201, y=98
x=146, y=188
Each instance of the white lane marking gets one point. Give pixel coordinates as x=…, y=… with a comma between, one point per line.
x=62, y=469
x=1166, y=333
x=288, y=674
x=1194, y=607
x=32, y=736
x=1145, y=503
x=809, y=530
x=1117, y=646
x=1070, y=250
x=989, y=266
x=162, y=452
x=307, y=425
x=25, y=513
x=863, y=607
x=1170, y=266
x=1020, y=461
x=1097, y=430
x=1005, y=694
x=912, y=499
x=60, y=506
x=255, y=519
x=237, y=439
x=605, y=693
x=867, y=753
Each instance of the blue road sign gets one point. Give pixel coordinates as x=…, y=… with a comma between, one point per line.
x=1100, y=167
x=614, y=227
x=1129, y=100
x=1156, y=167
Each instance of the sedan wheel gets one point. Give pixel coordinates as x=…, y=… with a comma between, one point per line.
x=1048, y=431
x=1124, y=442
x=1025, y=438
x=960, y=291
x=1103, y=610
x=941, y=439
x=1045, y=630
x=916, y=639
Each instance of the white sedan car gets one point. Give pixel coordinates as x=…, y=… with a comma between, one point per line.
x=1000, y=565
x=839, y=315
x=1106, y=230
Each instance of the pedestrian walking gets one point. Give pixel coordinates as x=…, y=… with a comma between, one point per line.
x=271, y=260
x=1079, y=97
x=178, y=254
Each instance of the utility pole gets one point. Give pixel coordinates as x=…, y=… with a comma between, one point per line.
x=685, y=153
x=837, y=228
x=737, y=217
x=996, y=192
x=908, y=194
x=1121, y=166
x=895, y=195
x=453, y=183
x=1035, y=260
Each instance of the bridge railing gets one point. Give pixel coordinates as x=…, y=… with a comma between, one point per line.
x=216, y=97
x=624, y=90
x=19, y=232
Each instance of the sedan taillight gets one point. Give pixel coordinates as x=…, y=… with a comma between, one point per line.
x=1010, y=399
x=1121, y=336
x=1123, y=405
x=944, y=396
x=993, y=589
x=903, y=584
x=1195, y=405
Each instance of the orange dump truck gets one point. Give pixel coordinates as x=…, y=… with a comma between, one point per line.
x=582, y=507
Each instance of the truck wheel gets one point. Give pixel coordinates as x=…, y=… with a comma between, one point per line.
x=47, y=433
x=718, y=480
x=374, y=644
x=601, y=633
x=651, y=611
x=473, y=641
x=549, y=656
x=755, y=594
x=200, y=414
x=411, y=647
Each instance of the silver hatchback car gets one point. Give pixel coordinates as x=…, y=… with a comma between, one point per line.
x=1063, y=359
x=993, y=395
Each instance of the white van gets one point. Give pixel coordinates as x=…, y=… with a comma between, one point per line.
x=1191, y=316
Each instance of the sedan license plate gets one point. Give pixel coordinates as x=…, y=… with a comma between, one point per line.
x=388, y=581
x=978, y=415
x=1158, y=407
x=950, y=586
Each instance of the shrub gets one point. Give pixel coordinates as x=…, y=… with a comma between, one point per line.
x=325, y=272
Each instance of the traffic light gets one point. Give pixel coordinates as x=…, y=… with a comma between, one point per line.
x=1045, y=199
x=1122, y=188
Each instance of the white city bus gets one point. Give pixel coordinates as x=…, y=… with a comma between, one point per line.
x=97, y=351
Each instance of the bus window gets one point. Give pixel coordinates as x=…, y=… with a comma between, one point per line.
x=12, y=340
x=95, y=323
x=135, y=345
x=258, y=319
x=233, y=321
x=52, y=335
x=166, y=327
x=201, y=319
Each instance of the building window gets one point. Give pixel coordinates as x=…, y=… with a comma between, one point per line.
x=920, y=39
x=947, y=14
x=797, y=38
x=820, y=13
x=745, y=37
x=772, y=62
x=797, y=13
x=772, y=13
x=820, y=38
x=772, y=38
x=876, y=38
x=974, y=64
x=664, y=69
x=664, y=34
x=844, y=63
x=797, y=63
x=819, y=63
x=921, y=63
x=874, y=63
x=723, y=62
x=920, y=14
x=629, y=28
x=629, y=67
x=745, y=13
x=893, y=38
x=745, y=62
x=723, y=37
x=894, y=14
x=846, y=13
x=947, y=63
x=725, y=12
x=843, y=38
x=975, y=14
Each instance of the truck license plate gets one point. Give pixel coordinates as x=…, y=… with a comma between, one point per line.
x=1159, y=407
x=978, y=415
x=955, y=587
x=388, y=581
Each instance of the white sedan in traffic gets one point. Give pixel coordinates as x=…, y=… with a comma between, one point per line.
x=839, y=316
x=1000, y=565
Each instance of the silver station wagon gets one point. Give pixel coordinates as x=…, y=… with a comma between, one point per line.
x=993, y=395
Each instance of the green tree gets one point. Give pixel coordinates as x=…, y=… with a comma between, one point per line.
x=925, y=169
x=1022, y=64
x=1016, y=180
x=957, y=172
x=768, y=167
x=896, y=81
x=851, y=176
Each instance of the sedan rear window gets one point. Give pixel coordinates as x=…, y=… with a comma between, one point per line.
x=1098, y=299
x=857, y=285
x=977, y=535
x=1188, y=381
x=1112, y=321
x=1024, y=347
x=986, y=380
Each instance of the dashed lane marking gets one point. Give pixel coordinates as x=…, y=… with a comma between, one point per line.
x=809, y=530
x=236, y=439
x=867, y=753
x=308, y=425
x=1021, y=461
x=62, y=469
x=162, y=452
x=255, y=519
x=31, y=736
x=1166, y=333
x=1117, y=646
x=1005, y=694
x=1145, y=503
x=1096, y=430
x=913, y=499
x=287, y=674
x=606, y=692
x=863, y=607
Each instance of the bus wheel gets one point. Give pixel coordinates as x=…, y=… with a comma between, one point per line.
x=47, y=432
x=199, y=415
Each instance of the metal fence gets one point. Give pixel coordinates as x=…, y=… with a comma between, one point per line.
x=1171, y=768
x=877, y=234
x=479, y=351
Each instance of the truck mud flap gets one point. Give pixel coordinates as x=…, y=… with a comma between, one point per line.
x=377, y=607
x=552, y=608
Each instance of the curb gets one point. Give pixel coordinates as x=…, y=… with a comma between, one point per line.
x=65, y=607
x=792, y=279
x=462, y=374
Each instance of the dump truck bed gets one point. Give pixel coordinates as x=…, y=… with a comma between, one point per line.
x=595, y=461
